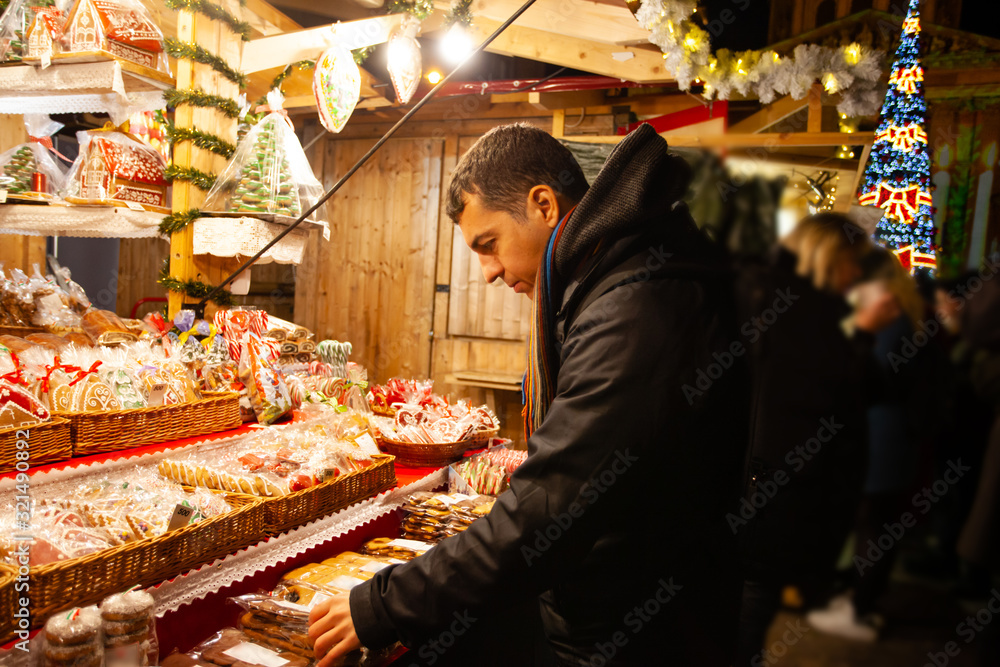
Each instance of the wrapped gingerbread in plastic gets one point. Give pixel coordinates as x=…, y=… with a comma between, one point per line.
x=17, y=301
x=269, y=172
x=73, y=638
x=32, y=171
x=106, y=328
x=115, y=168
x=51, y=302
x=129, y=626
x=230, y=647
x=122, y=29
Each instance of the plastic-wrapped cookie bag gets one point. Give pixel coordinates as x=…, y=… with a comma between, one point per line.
x=73, y=639
x=129, y=626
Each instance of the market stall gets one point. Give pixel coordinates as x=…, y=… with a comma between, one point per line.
x=193, y=481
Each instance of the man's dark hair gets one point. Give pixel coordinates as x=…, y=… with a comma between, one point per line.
x=506, y=163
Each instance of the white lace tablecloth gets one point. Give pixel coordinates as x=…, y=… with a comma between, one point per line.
x=196, y=584
x=75, y=88
x=89, y=221
x=244, y=237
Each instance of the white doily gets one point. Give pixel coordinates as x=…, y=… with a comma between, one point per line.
x=76, y=88
x=90, y=221
x=196, y=584
x=245, y=236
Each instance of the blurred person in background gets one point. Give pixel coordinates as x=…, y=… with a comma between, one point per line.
x=898, y=421
x=968, y=418
x=979, y=542
x=811, y=360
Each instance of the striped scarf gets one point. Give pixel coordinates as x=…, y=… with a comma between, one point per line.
x=539, y=384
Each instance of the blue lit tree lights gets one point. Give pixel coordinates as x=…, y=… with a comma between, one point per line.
x=898, y=176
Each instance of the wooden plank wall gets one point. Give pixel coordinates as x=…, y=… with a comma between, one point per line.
x=373, y=282
x=18, y=251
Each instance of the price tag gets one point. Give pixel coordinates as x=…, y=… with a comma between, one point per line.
x=181, y=517
x=46, y=59
x=301, y=608
x=3, y=196
x=156, y=395
x=375, y=566
x=121, y=656
x=135, y=206
x=344, y=583
x=255, y=655
x=412, y=545
x=367, y=444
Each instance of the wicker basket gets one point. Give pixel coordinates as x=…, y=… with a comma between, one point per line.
x=20, y=332
x=48, y=442
x=102, y=432
x=434, y=455
x=89, y=579
x=7, y=597
x=298, y=508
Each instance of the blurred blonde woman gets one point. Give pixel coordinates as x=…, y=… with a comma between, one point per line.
x=806, y=461
x=904, y=375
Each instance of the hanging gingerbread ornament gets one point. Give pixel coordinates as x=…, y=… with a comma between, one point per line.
x=337, y=87
x=405, y=66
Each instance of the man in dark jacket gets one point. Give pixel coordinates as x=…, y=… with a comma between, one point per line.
x=616, y=521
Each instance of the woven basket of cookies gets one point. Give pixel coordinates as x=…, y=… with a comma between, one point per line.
x=302, y=471
x=92, y=534
x=29, y=434
x=432, y=436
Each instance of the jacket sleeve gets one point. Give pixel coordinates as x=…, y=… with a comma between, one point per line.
x=583, y=460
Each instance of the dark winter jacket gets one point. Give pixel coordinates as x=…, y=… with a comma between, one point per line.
x=617, y=518
x=808, y=452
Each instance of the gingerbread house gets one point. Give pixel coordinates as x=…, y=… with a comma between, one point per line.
x=118, y=27
x=44, y=32
x=114, y=167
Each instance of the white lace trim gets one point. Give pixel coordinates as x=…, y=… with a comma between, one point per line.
x=76, y=88
x=90, y=221
x=196, y=584
x=245, y=236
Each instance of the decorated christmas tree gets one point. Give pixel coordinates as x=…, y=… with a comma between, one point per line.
x=265, y=184
x=898, y=175
x=20, y=167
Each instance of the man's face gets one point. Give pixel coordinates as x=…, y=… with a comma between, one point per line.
x=508, y=248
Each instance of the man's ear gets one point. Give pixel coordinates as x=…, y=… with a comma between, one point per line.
x=543, y=206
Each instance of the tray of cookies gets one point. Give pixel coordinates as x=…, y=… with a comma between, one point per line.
x=302, y=471
x=92, y=534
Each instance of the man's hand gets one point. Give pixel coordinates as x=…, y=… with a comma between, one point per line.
x=332, y=630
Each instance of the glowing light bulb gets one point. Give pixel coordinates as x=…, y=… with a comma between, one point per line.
x=456, y=44
x=434, y=77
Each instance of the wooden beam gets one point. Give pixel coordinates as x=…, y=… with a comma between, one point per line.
x=815, y=99
x=798, y=160
x=769, y=115
x=858, y=175
x=765, y=140
x=569, y=100
x=279, y=50
x=611, y=24
x=549, y=47
x=558, y=123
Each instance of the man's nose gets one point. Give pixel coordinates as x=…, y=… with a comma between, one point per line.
x=492, y=269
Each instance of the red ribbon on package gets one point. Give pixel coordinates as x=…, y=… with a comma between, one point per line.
x=47, y=142
x=15, y=376
x=81, y=373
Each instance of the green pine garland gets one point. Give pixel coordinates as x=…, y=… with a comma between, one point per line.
x=361, y=55
x=175, y=222
x=196, y=177
x=195, y=289
x=214, y=12
x=199, y=98
x=209, y=142
x=420, y=9
x=284, y=74
x=460, y=13
x=191, y=51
